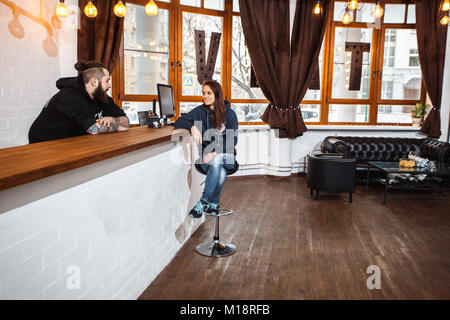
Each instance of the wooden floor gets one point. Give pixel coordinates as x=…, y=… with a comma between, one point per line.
x=293, y=247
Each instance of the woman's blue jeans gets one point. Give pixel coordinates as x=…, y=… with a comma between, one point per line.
x=216, y=175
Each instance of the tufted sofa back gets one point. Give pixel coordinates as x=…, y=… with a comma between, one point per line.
x=365, y=149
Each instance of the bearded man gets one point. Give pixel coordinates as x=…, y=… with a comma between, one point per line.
x=80, y=107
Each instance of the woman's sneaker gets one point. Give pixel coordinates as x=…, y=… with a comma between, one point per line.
x=212, y=209
x=198, y=209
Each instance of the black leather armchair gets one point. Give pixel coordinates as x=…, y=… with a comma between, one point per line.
x=330, y=173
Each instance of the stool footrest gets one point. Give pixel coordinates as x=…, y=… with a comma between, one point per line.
x=222, y=212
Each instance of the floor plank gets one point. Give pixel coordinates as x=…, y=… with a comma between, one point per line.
x=293, y=247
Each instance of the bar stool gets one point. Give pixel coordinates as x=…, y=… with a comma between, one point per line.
x=217, y=248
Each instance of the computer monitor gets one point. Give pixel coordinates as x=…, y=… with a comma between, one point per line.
x=166, y=103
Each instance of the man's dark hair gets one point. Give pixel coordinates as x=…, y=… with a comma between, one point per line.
x=90, y=69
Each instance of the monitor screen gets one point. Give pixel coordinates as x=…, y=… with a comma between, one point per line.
x=165, y=98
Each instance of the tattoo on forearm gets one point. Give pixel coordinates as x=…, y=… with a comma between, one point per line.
x=113, y=127
x=94, y=129
x=123, y=121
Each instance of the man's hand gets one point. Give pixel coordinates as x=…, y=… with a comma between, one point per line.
x=106, y=121
x=196, y=135
x=208, y=157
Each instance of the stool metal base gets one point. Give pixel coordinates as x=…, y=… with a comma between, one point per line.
x=216, y=249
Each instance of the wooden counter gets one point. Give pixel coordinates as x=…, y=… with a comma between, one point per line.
x=20, y=165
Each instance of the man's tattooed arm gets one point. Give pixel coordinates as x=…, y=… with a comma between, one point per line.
x=98, y=128
x=123, y=122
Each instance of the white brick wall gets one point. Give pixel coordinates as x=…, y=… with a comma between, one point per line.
x=119, y=227
x=28, y=73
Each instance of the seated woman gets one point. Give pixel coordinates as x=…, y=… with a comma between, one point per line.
x=214, y=125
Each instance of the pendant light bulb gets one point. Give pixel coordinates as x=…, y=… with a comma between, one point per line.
x=346, y=18
x=90, y=10
x=151, y=8
x=446, y=5
x=120, y=10
x=317, y=9
x=353, y=4
x=444, y=20
x=61, y=10
x=378, y=11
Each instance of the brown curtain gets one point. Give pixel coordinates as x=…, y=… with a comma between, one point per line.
x=284, y=74
x=431, y=39
x=99, y=38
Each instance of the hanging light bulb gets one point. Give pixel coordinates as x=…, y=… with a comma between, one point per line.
x=446, y=5
x=317, y=10
x=151, y=8
x=378, y=11
x=444, y=20
x=346, y=18
x=61, y=10
x=353, y=4
x=119, y=9
x=90, y=10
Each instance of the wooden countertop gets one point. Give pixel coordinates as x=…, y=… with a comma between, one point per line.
x=23, y=164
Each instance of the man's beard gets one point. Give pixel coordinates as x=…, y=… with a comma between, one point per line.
x=100, y=94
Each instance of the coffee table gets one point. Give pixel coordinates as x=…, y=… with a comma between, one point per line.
x=440, y=170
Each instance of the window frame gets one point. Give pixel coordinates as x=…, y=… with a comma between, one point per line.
x=175, y=73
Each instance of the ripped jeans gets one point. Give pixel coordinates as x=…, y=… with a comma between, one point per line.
x=216, y=176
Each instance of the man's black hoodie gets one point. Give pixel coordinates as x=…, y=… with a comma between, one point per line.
x=70, y=112
x=200, y=116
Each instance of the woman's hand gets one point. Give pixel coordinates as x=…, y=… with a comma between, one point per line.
x=196, y=135
x=208, y=157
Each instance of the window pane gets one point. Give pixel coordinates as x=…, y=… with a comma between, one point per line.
x=146, y=50
x=249, y=112
x=214, y=4
x=402, y=77
x=235, y=5
x=241, y=67
x=348, y=113
x=342, y=63
x=394, y=13
x=185, y=107
x=131, y=108
x=191, y=22
x=364, y=12
x=192, y=3
x=394, y=114
x=411, y=14
x=339, y=9
x=310, y=112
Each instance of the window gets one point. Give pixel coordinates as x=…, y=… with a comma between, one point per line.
x=413, y=58
x=162, y=49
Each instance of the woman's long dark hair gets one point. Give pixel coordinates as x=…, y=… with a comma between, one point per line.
x=218, y=115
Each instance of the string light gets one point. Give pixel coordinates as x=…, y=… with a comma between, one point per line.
x=120, y=10
x=151, y=8
x=353, y=4
x=90, y=10
x=444, y=20
x=378, y=11
x=61, y=10
x=446, y=5
x=346, y=18
x=317, y=10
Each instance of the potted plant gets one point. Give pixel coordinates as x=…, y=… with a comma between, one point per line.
x=418, y=113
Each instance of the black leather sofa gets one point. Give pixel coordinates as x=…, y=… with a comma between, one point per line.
x=364, y=149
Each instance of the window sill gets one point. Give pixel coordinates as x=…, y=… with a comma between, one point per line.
x=339, y=128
